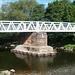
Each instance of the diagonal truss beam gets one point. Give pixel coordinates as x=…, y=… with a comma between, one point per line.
x=36, y=26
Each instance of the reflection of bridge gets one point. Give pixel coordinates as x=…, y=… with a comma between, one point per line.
x=36, y=26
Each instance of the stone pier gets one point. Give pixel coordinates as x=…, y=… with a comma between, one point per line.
x=34, y=44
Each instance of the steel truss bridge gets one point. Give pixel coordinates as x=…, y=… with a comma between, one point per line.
x=36, y=26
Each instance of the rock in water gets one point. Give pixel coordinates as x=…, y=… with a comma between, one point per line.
x=12, y=70
x=6, y=72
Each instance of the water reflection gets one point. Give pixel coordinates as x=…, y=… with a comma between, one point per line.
x=36, y=63
x=61, y=64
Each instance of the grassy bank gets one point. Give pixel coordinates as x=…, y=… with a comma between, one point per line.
x=72, y=46
x=2, y=74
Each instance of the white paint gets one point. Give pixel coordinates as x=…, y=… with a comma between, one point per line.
x=36, y=26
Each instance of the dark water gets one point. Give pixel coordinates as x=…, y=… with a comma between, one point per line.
x=61, y=64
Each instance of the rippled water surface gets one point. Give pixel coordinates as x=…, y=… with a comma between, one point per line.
x=61, y=64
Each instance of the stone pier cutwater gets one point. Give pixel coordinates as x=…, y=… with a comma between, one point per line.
x=34, y=44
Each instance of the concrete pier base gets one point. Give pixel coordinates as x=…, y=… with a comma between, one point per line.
x=34, y=50
x=34, y=44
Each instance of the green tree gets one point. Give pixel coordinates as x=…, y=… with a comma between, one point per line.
x=17, y=15
x=74, y=9
x=68, y=13
x=62, y=10
x=20, y=10
x=0, y=16
x=27, y=6
x=38, y=13
x=74, y=2
x=54, y=11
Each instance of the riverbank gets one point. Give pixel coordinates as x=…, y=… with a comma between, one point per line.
x=2, y=74
x=68, y=47
x=7, y=47
x=7, y=72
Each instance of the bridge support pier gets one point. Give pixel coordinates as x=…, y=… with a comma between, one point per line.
x=34, y=44
x=33, y=39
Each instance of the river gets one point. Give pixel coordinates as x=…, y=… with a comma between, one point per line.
x=61, y=64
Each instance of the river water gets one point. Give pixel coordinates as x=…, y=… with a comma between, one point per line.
x=61, y=64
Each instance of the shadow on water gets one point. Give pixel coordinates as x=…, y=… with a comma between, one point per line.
x=23, y=63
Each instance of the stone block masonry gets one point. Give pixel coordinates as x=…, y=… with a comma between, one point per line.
x=34, y=44
x=33, y=39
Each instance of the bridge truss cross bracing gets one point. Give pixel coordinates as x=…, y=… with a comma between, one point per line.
x=36, y=26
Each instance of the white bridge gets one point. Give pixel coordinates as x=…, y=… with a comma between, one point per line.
x=36, y=26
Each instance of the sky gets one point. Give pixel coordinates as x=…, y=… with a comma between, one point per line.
x=39, y=1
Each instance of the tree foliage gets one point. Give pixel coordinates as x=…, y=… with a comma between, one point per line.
x=59, y=10
x=54, y=10
x=23, y=10
x=17, y=15
x=38, y=13
x=62, y=10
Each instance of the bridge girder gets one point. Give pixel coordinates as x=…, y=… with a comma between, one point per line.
x=36, y=26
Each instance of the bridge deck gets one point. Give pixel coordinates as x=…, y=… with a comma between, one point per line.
x=36, y=26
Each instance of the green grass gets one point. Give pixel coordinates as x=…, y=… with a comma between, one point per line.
x=70, y=45
x=2, y=74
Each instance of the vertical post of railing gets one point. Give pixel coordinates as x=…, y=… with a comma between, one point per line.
x=74, y=27
x=37, y=26
x=24, y=27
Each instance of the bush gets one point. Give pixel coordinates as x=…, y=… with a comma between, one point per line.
x=70, y=45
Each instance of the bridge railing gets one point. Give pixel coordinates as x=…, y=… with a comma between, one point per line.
x=36, y=26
